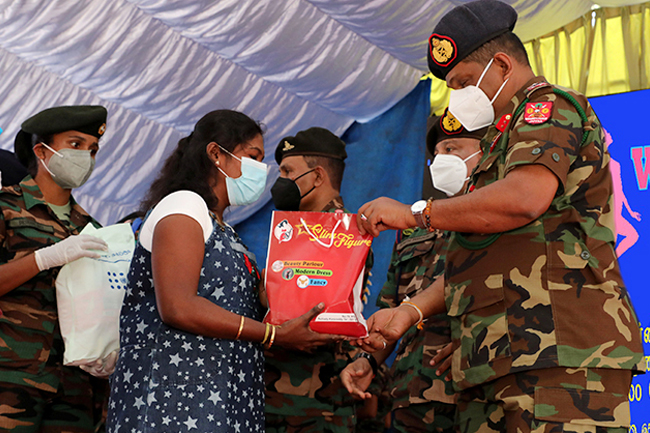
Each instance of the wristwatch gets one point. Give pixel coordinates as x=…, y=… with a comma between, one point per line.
x=417, y=209
x=371, y=359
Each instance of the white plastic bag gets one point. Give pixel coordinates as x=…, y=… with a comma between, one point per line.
x=89, y=295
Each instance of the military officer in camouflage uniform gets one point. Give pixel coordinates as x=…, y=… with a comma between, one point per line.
x=39, y=232
x=422, y=400
x=303, y=390
x=531, y=265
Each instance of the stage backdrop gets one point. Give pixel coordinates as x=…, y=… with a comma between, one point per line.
x=624, y=117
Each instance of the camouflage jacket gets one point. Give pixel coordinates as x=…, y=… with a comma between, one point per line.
x=529, y=298
x=308, y=384
x=31, y=349
x=417, y=261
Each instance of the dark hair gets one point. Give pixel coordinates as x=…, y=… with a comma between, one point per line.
x=333, y=166
x=508, y=43
x=189, y=167
x=32, y=161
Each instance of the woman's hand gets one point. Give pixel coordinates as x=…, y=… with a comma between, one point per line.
x=356, y=377
x=296, y=334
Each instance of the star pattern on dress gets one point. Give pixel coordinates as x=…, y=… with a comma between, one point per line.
x=169, y=380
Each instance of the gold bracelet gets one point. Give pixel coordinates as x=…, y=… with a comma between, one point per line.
x=241, y=328
x=272, y=337
x=266, y=333
x=420, y=314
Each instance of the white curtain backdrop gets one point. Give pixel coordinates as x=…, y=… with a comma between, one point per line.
x=159, y=65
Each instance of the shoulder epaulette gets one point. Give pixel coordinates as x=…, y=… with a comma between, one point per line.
x=536, y=86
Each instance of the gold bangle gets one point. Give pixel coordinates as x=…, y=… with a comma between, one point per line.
x=241, y=328
x=266, y=333
x=272, y=338
x=420, y=314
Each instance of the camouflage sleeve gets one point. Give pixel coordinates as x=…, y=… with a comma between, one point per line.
x=554, y=144
x=387, y=297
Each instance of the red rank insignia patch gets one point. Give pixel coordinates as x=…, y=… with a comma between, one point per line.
x=502, y=124
x=537, y=112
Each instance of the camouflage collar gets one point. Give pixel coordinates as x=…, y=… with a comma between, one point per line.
x=335, y=204
x=531, y=86
x=33, y=196
x=31, y=193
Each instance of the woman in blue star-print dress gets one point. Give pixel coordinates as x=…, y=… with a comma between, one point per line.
x=191, y=357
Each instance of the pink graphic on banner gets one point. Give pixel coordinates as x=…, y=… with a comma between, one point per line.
x=641, y=159
x=623, y=227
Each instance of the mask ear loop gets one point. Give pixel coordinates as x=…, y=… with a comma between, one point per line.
x=318, y=240
x=472, y=155
x=484, y=72
x=43, y=161
x=481, y=79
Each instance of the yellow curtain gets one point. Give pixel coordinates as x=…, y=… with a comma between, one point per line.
x=601, y=53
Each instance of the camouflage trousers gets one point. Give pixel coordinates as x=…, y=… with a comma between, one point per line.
x=425, y=417
x=549, y=400
x=307, y=424
x=25, y=409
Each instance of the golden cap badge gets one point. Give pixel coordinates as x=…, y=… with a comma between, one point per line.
x=287, y=146
x=102, y=129
x=442, y=48
x=450, y=124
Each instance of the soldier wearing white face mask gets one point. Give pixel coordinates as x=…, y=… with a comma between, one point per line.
x=531, y=260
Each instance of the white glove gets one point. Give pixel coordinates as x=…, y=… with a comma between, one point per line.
x=68, y=250
x=102, y=367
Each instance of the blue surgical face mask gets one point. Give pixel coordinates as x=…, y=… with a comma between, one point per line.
x=248, y=187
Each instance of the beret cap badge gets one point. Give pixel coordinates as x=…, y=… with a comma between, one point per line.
x=287, y=146
x=450, y=124
x=442, y=49
x=102, y=129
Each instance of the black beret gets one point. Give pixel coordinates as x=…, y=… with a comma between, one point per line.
x=447, y=126
x=313, y=141
x=465, y=28
x=88, y=119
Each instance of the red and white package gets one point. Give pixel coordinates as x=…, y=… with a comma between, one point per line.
x=317, y=257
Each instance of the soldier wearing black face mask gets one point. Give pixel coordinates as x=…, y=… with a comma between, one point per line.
x=311, y=171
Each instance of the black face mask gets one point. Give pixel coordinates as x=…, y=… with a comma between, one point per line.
x=286, y=194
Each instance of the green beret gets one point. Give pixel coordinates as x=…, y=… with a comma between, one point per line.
x=447, y=126
x=465, y=28
x=88, y=119
x=313, y=141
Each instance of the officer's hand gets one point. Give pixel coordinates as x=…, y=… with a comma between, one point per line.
x=386, y=326
x=102, y=367
x=356, y=378
x=442, y=360
x=384, y=214
x=68, y=250
x=296, y=334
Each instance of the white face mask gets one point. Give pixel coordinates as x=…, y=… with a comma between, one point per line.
x=471, y=106
x=449, y=173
